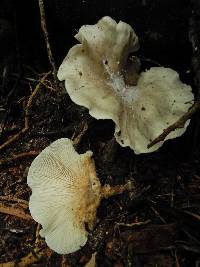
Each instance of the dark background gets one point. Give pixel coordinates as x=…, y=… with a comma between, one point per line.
x=162, y=27
x=168, y=32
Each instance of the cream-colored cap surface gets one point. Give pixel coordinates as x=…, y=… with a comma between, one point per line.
x=95, y=74
x=158, y=100
x=65, y=195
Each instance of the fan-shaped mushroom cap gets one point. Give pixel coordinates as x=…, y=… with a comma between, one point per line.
x=65, y=195
x=99, y=76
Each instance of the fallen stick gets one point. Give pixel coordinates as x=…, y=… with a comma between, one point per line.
x=31, y=153
x=14, y=199
x=27, y=260
x=26, y=119
x=46, y=37
x=14, y=209
x=178, y=124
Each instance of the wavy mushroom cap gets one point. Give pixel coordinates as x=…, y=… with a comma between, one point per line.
x=65, y=195
x=99, y=75
x=158, y=100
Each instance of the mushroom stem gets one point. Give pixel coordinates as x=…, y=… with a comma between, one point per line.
x=109, y=191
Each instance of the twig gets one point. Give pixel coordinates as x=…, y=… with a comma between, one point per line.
x=15, y=209
x=133, y=224
x=195, y=216
x=16, y=76
x=31, y=153
x=27, y=109
x=27, y=260
x=37, y=234
x=178, y=124
x=13, y=138
x=10, y=198
x=109, y=191
x=30, y=258
x=142, y=58
x=48, y=85
x=158, y=214
x=78, y=135
x=92, y=261
x=33, y=257
x=64, y=262
x=176, y=259
x=46, y=37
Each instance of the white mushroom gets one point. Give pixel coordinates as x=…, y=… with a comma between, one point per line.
x=65, y=195
x=99, y=76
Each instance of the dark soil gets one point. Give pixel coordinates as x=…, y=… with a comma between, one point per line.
x=167, y=182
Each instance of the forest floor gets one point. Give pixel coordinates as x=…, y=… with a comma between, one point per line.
x=156, y=224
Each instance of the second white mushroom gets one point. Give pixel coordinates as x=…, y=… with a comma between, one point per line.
x=66, y=193
x=99, y=75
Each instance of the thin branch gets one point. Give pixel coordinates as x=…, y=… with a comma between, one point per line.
x=15, y=209
x=11, y=198
x=178, y=124
x=78, y=135
x=27, y=260
x=133, y=224
x=46, y=37
x=27, y=109
x=109, y=191
x=31, y=153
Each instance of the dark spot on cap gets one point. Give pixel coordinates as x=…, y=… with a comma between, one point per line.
x=106, y=62
x=122, y=141
x=80, y=73
x=119, y=133
x=143, y=108
x=87, y=226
